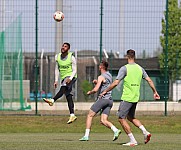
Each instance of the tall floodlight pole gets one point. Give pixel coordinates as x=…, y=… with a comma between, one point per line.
x=58, y=28
x=101, y=18
x=122, y=27
x=58, y=32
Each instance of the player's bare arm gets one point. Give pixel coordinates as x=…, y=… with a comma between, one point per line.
x=94, y=81
x=56, y=73
x=112, y=86
x=74, y=70
x=151, y=84
x=96, y=88
x=55, y=84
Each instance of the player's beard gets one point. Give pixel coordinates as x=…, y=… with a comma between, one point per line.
x=64, y=53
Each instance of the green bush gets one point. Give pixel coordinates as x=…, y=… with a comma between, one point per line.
x=86, y=86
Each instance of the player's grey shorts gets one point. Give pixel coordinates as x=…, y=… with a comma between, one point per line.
x=102, y=104
x=69, y=86
x=126, y=109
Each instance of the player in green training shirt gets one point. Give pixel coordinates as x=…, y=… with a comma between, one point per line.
x=66, y=67
x=131, y=74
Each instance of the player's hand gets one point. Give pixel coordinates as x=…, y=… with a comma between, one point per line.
x=102, y=94
x=68, y=81
x=156, y=96
x=94, y=81
x=55, y=84
x=89, y=92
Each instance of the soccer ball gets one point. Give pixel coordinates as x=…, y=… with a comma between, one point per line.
x=58, y=16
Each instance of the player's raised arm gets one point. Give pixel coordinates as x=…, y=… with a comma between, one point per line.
x=97, y=86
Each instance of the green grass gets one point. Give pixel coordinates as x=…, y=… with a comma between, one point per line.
x=98, y=141
x=57, y=124
x=52, y=132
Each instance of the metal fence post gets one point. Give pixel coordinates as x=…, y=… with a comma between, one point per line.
x=36, y=53
x=166, y=60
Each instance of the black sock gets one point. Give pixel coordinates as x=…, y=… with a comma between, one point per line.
x=70, y=103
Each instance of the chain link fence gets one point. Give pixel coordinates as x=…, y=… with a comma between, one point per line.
x=96, y=29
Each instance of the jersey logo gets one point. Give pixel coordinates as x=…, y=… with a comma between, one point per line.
x=65, y=67
x=134, y=85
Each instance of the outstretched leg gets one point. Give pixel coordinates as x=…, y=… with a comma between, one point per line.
x=108, y=124
x=137, y=123
x=126, y=109
x=89, y=119
x=58, y=95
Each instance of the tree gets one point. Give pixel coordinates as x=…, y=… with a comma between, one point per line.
x=174, y=40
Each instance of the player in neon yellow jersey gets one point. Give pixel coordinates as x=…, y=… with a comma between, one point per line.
x=131, y=74
x=66, y=67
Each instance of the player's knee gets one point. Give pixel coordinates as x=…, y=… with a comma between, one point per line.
x=121, y=120
x=121, y=115
x=63, y=89
x=69, y=96
x=103, y=121
x=130, y=118
x=90, y=115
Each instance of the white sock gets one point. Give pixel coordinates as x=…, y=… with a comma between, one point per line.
x=71, y=115
x=132, y=139
x=114, y=128
x=143, y=129
x=87, y=131
x=53, y=100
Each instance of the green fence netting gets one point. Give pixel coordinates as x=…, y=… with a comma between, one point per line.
x=11, y=68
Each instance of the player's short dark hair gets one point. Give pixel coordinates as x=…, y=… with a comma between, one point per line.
x=131, y=53
x=68, y=44
x=105, y=64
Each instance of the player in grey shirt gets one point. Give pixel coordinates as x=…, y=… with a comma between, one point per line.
x=105, y=103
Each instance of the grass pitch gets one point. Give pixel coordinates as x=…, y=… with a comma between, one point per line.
x=52, y=132
x=98, y=141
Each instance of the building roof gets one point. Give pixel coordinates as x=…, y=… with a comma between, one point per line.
x=115, y=63
x=147, y=63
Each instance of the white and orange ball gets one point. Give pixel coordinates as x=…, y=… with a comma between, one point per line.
x=58, y=16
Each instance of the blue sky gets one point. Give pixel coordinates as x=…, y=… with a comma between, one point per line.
x=81, y=26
